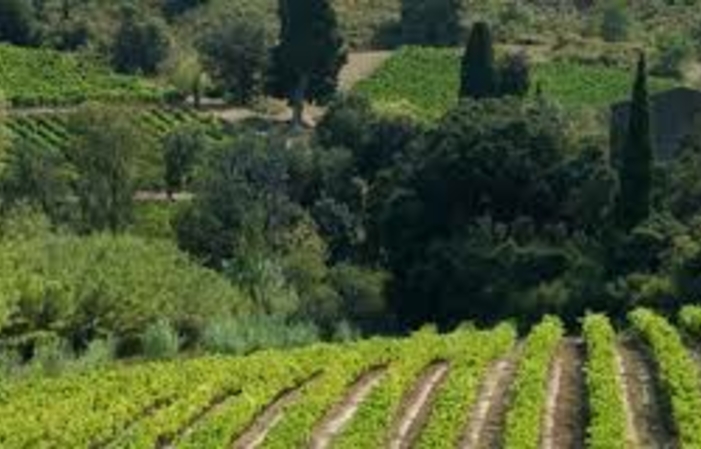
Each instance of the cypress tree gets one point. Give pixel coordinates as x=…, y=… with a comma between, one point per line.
x=309, y=56
x=635, y=171
x=479, y=77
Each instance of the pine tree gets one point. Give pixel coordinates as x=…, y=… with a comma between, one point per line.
x=309, y=56
x=635, y=172
x=479, y=77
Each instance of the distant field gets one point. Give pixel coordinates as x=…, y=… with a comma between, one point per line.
x=41, y=77
x=426, y=81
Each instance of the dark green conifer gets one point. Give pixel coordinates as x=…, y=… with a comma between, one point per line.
x=635, y=171
x=479, y=76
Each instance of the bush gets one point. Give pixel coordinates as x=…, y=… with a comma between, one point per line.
x=160, y=341
x=87, y=287
x=432, y=22
x=99, y=353
x=672, y=52
x=52, y=358
x=614, y=21
x=243, y=336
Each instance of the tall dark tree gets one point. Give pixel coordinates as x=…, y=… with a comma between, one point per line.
x=635, y=171
x=309, y=55
x=479, y=76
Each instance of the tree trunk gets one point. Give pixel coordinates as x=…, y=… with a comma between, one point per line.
x=297, y=103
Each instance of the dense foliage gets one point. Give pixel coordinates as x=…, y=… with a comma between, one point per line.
x=82, y=288
x=607, y=426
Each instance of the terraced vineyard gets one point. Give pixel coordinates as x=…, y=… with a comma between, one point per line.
x=42, y=77
x=49, y=130
x=469, y=389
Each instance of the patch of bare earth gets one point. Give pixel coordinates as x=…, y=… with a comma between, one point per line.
x=268, y=418
x=488, y=417
x=341, y=414
x=417, y=405
x=649, y=415
x=564, y=426
x=361, y=65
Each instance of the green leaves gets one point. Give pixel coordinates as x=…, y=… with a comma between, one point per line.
x=678, y=372
x=523, y=421
x=607, y=426
x=33, y=77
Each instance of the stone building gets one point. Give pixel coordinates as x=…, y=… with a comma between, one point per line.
x=673, y=114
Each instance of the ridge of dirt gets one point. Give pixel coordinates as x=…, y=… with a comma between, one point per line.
x=489, y=414
x=650, y=424
x=564, y=426
x=341, y=414
x=417, y=404
x=254, y=435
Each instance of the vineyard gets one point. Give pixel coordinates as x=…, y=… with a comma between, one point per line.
x=470, y=388
x=425, y=82
x=50, y=131
x=42, y=77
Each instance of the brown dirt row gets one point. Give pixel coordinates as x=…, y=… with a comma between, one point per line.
x=262, y=424
x=341, y=414
x=488, y=417
x=565, y=417
x=650, y=416
x=417, y=405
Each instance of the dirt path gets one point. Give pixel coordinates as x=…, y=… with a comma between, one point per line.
x=651, y=426
x=342, y=413
x=489, y=415
x=416, y=408
x=564, y=426
x=361, y=65
x=261, y=426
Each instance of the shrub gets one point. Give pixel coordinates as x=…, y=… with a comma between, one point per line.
x=242, y=336
x=98, y=353
x=52, y=358
x=614, y=21
x=672, y=52
x=160, y=341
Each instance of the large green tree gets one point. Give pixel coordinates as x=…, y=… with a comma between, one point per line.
x=234, y=53
x=636, y=164
x=140, y=45
x=309, y=56
x=103, y=149
x=479, y=75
